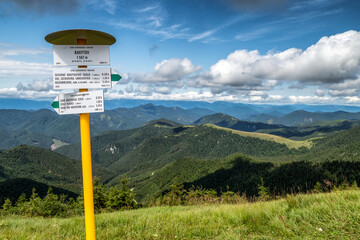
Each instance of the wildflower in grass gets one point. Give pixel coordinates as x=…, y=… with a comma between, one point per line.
x=319, y=229
x=283, y=217
x=155, y=235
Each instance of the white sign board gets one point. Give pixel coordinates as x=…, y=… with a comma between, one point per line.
x=78, y=78
x=79, y=55
x=82, y=102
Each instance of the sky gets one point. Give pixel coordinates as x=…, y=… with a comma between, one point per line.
x=249, y=51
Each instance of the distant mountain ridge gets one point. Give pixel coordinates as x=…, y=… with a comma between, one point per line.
x=230, y=108
x=44, y=128
x=39, y=128
x=227, y=121
x=300, y=132
x=304, y=117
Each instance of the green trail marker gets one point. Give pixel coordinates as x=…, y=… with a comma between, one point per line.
x=115, y=78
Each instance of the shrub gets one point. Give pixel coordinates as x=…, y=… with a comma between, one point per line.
x=317, y=188
x=263, y=191
x=113, y=198
x=7, y=205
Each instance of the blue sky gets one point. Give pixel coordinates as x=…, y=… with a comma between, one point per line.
x=263, y=51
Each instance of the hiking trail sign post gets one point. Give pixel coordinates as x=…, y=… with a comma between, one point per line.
x=82, y=47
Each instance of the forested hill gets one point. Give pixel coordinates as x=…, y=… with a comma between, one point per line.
x=46, y=167
x=334, y=159
x=109, y=147
x=341, y=146
x=227, y=121
x=139, y=152
x=166, y=140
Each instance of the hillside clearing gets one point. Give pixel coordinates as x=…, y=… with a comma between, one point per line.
x=321, y=216
x=288, y=142
x=58, y=143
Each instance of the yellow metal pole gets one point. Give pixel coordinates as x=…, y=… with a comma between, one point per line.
x=87, y=168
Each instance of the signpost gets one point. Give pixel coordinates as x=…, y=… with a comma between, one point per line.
x=78, y=78
x=66, y=53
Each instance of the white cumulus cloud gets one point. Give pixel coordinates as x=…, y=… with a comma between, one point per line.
x=169, y=70
x=332, y=60
x=353, y=99
x=36, y=85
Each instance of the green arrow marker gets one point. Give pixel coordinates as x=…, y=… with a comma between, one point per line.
x=115, y=77
x=55, y=104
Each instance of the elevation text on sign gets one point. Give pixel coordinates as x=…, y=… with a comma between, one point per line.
x=78, y=55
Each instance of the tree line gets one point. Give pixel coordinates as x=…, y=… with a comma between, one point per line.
x=245, y=181
x=106, y=199
x=294, y=177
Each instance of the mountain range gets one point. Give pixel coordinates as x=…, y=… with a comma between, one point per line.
x=44, y=128
x=301, y=117
x=154, y=144
x=142, y=152
x=224, y=120
x=154, y=154
x=299, y=132
x=239, y=110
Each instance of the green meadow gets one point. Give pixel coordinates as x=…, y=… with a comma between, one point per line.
x=268, y=137
x=333, y=215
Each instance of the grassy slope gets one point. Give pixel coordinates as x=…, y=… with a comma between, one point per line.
x=321, y=216
x=289, y=143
